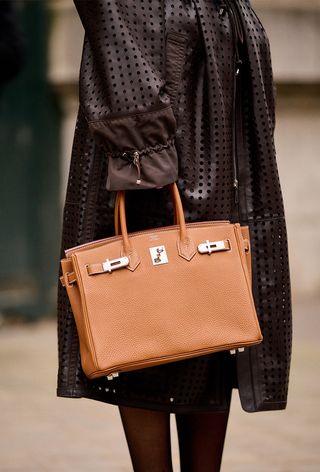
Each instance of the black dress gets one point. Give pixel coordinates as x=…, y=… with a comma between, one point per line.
x=222, y=96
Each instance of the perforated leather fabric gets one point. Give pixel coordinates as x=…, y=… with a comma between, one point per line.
x=128, y=65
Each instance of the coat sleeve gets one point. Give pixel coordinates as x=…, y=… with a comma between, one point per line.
x=125, y=98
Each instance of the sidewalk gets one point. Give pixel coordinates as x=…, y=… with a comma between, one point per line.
x=43, y=433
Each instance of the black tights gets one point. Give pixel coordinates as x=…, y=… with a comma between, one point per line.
x=200, y=435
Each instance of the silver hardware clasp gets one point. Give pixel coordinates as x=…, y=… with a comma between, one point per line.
x=214, y=246
x=109, y=266
x=158, y=255
x=137, y=162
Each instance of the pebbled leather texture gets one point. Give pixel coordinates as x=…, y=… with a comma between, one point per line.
x=123, y=70
x=154, y=308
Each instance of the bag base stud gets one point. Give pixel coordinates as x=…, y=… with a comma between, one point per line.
x=239, y=349
x=112, y=375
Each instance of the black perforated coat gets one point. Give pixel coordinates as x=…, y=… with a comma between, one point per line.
x=189, y=83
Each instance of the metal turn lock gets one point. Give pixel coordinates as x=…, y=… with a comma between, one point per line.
x=158, y=255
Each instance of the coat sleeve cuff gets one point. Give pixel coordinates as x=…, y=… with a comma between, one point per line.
x=140, y=148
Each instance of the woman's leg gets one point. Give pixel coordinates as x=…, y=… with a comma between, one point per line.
x=201, y=439
x=148, y=437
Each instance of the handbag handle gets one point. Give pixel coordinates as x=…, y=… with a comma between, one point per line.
x=186, y=246
x=117, y=228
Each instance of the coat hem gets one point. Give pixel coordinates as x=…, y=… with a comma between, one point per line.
x=268, y=406
x=170, y=408
x=68, y=393
x=74, y=393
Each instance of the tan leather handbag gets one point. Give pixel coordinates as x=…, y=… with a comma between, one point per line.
x=161, y=295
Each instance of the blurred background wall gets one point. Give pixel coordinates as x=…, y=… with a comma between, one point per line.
x=36, y=132
x=30, y=121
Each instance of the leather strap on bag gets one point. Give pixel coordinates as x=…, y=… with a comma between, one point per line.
x=117, y=228
x=186, y=246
